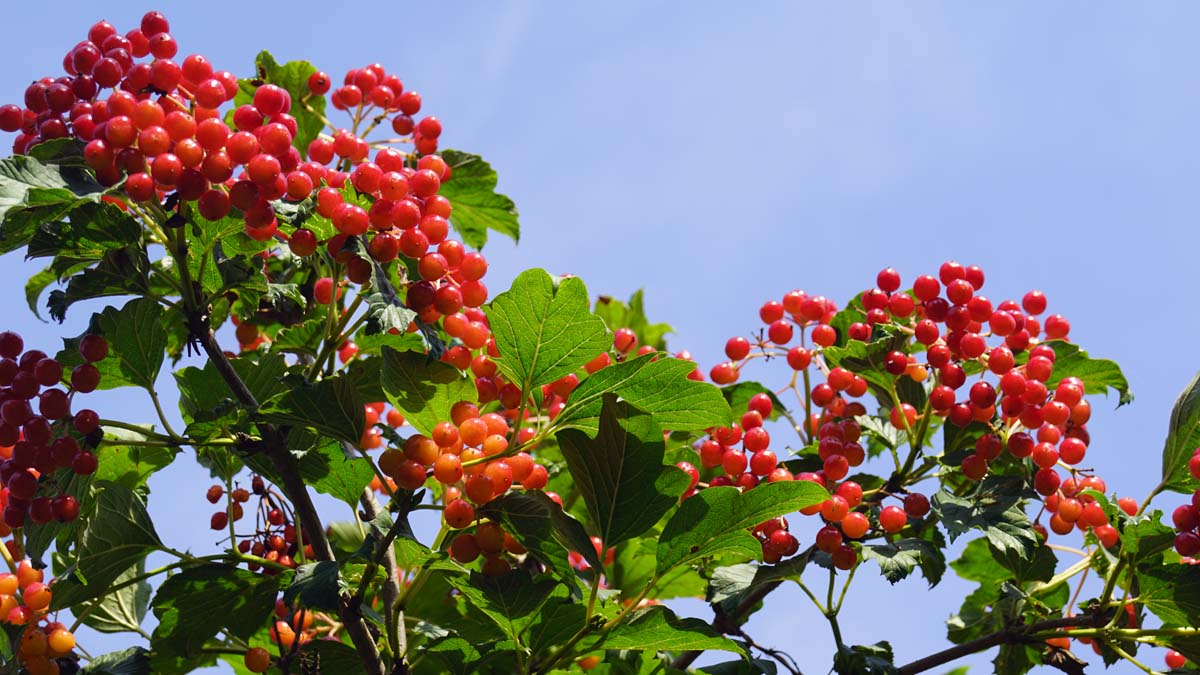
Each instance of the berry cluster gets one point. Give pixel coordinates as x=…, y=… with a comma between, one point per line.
x=943, y=329
x=1187, y=517
x=34, y=444
x=25, y=601
x=160, y=130
x=274, y=538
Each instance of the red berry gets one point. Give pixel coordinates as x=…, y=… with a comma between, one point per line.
x=892, y=519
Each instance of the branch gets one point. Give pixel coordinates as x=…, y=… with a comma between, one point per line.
x=397, y=637
x=293, y=485
x=1015, y=634
x=729, y=623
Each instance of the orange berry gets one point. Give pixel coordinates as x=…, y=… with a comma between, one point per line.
x=257, y=660
x=26, y=574
x=8, y=584
x=61, y=641
x=36, y=596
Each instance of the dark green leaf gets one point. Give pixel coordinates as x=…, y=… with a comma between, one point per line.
x=329, y=657
x=873, y=659
x=422, y=389
x=331, y=407
x=741, y=667
x=512, y=601
x=327, y=469
x=122, y=271
x=543, y=528
x=122, y=610
x=620, y=473
x=194, y=605
x=1002, y=520
x=544, y=330
x=386, y=312
x=657, y=628
x=1015, y=659
x=132, y=661
x=658, y=387
x=118, y=534
x=137, y=342
x=1171, y=592
x=898, y=559
x=316, y=585
x=1147, y=535
x=1183, y=437
x=718, y=520
x=477, y=206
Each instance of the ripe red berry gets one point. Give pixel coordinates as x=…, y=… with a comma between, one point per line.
x=93, y=348
x=892, y=519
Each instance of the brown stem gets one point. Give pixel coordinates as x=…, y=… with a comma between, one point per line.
x=293, y=485
x=727, y=623
x=397, y=634
x=1012, y=635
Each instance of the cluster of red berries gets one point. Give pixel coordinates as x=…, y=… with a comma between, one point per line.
x=952, y=325
x=160, y=130
x=33, y=444
x=499, y=549
x=1187, y=517
x=274, y=536
x=25, y=601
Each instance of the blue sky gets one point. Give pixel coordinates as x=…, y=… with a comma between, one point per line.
x=720, y=156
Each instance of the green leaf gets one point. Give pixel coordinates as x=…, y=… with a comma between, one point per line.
x=331, y=407
x=131, y=466
x=633, y=568
x=718, y=520
x=292, y=76
x=620, y=473
x=422, y=389
x=658, y=387
x=327, y=469
x=512, y=601
x=118, y=534
x=1171, y=592
x=657, y=628
x=34, y=287
x=543, y=528
x=618, y=314
x=136, y=344
x=873, y=659
x=132, y=661
x=194, y=605
x=739, y=396
x=477, y=206
x=1002, y=521
x=1146, y=536
x=316, y=585
x=32, y=193
x=544, y=330
x=386, y=312
x=122, y=610
x=740, y=667
x=1183, y=437
x=1098, y=375
x=123, y=271
x=329, y=657
x=898, y=559
x=454, y=655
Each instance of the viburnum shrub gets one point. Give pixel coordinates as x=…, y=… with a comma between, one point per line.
x=583, y=475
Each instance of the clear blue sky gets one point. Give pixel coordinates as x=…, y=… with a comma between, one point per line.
x=720, y=157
